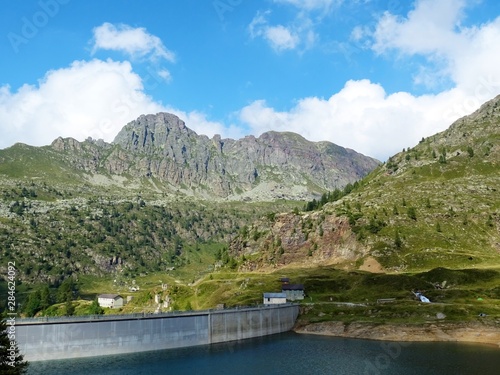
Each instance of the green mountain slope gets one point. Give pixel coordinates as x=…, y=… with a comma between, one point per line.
x=436, y=204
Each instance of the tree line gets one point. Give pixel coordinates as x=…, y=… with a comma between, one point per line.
x=331, y=196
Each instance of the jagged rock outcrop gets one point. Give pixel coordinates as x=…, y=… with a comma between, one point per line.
x=292, y=238
x=274, y=165
x=162, y=146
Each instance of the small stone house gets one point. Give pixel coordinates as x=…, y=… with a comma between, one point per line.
x=110, y=300
x=293, y=292
x=274, y=298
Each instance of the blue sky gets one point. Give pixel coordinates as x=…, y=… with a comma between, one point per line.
x=371, y=75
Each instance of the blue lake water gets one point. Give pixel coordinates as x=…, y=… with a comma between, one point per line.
x=290, y=354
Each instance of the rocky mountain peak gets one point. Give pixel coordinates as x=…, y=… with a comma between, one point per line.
x=273, y=165
x=149, y=131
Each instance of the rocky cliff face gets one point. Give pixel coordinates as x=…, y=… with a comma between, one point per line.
x=289, y=238
x=274, y=165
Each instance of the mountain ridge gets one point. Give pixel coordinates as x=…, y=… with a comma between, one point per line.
x=272, y=166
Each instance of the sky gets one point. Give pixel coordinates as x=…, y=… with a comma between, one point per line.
x=371, y=75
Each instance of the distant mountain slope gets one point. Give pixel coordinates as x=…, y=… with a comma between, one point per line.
x=436, y=204
x=158, y=153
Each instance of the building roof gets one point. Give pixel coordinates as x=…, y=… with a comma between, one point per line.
x=292, y=287
x=110, y=296
x=274, y=295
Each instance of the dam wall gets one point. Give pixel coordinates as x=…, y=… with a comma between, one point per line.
x=45, y=339
x=244, y=324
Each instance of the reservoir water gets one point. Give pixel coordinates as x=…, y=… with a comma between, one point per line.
x=290, y=354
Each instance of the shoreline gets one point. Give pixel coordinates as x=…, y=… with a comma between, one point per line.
x=473, y=332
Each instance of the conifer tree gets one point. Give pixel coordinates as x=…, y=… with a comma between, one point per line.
x=397, y=240
x=95, y=308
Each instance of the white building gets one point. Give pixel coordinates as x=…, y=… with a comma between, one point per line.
x=274, y=298
x=110, y=300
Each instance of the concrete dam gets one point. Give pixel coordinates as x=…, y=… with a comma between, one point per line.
x=43, y=339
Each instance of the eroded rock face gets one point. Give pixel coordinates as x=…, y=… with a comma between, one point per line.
x=436, y=331
x=290, y=238
x=161, y=146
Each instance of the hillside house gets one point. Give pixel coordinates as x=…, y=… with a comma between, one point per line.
x=274, y=298
x=293, y=292
x=110, y=300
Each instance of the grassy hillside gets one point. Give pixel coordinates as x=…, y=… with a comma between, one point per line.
x=434, y=205
x=335, y=294
x=331, y=293
x=50, y=240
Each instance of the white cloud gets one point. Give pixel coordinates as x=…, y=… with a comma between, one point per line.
x=298, y=34
x=89, y=98
x=136, y=42
x=358, y=33
x=362, y=117
x=259, y=23
x=465, y=55
x=165, y=75
x=279, y=37
x=309, y=14
x=428, y=29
